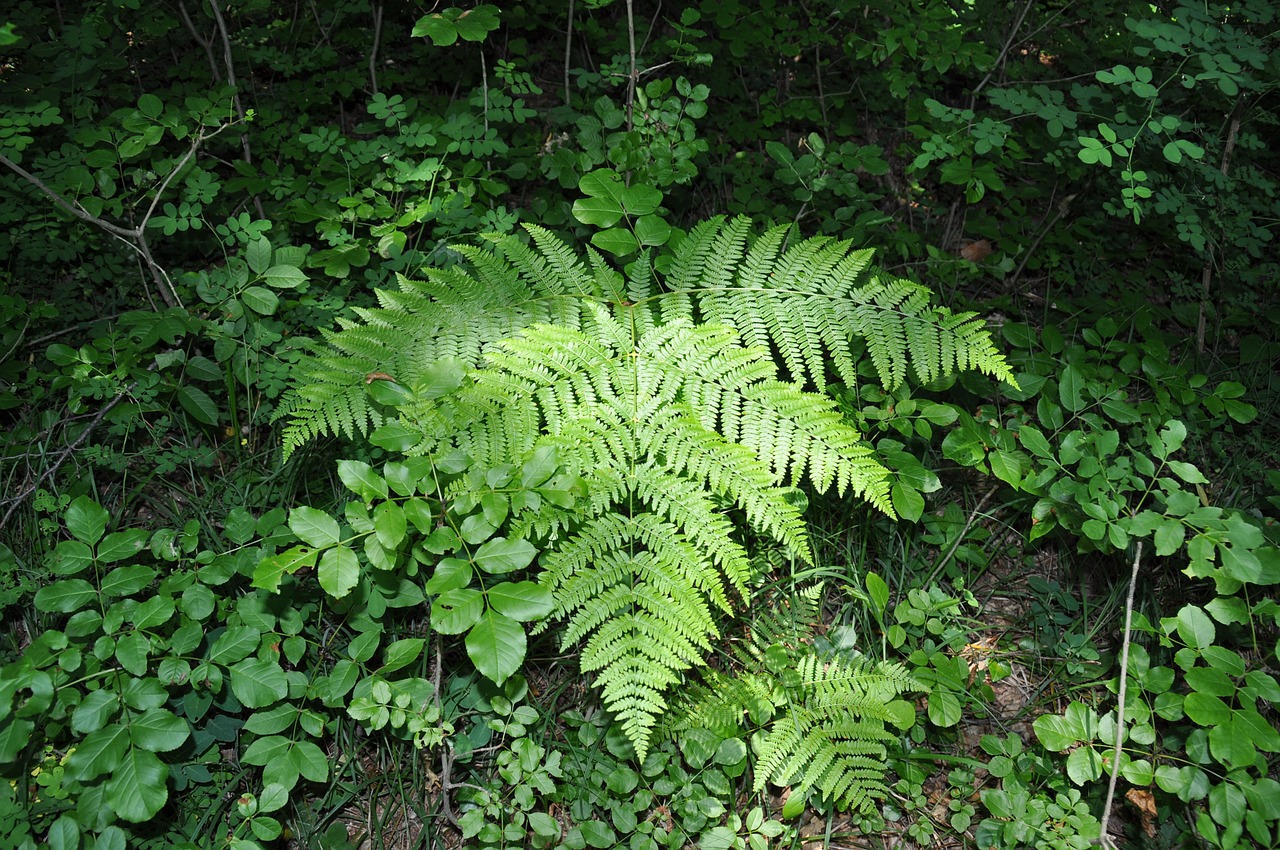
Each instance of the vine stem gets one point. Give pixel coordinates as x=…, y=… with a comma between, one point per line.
x=1103, y=838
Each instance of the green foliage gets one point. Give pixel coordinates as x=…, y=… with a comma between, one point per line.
x=658, y=416
x=822, y=718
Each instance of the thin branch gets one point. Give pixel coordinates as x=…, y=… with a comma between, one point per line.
x=206, y=43
x=1103, y=838
x=1206, y=274
x=63, y=456
x=568, y=45
x=1013, y=34
x=632, y=77
x=373, y=52
x=75, y=209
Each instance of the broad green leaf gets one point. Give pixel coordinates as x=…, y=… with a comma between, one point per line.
x=878, y=592
x=538, y=468
x=449, y=574
x=258, y=254
x=158, y=730
x=132, y=652
x=455, y=611
x=269, y=571
x=1171, y=438
x=1007, y=466
x=63, y=597
x=99, y=752
x=1187, y=472
x=640, y=200
x=94, y=711
x=419, y=512
x=260, y=300
x=524, y=601
x=64, y=834
x=258, y=683
x=339, y=571
x=1206, y=709
x=138, y=787
x=306, y=759
x=361, y=479
x=1169, y=537
x=1033, y=441
x=600, y=212
x=616, y=241
x=389, y=524
x=153, y=612
x=122, y=544
x=602, y=183
x=1194, y=627
x=651, y=230
x=234, y=644
x=442, y=377
x=86, y=520
x=15, y=736
x=1084, y=765
x=197, y=403
x=126, y=581
x=284, y=277
x=501, y=555
x=1071, y=389
x=400, y=654
x=496, y=645
x=273, y=798
x=71, y=557
x=907, y=501
x=314, y=527
x=944, y=708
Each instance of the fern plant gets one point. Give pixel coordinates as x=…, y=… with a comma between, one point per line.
x=823, y=718
x=688, y=402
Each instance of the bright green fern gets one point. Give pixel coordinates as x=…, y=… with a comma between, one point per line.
x=816, y=303
x=689, y=403
x=824, y=718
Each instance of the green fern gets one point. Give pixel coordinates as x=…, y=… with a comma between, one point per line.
x=815, y=303
x=824, y=719
x=663, y=394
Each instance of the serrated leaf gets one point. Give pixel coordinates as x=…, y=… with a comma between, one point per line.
x=455, y=611
x=599, y=212
x=260, y=300
x=86, y=520
x=1169, y=537
x=197, y=403
x=339, y=571
x=258, y=683
x=158, y=730
x=496, y=645
x=122, y=544
x=907, y=501
x=63, y=597
x=362, y=480
x=269, y=571
x=314, y=527
x=98, y=753
x=389, y=524
x=138, y=787
x=284, y=277
x=234, y=644
x=258, y=254
x=126, y=581
x=651, y=230
x=400, y=654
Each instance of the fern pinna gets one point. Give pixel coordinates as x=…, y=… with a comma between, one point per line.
x=663, y=393
x=823, y=717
